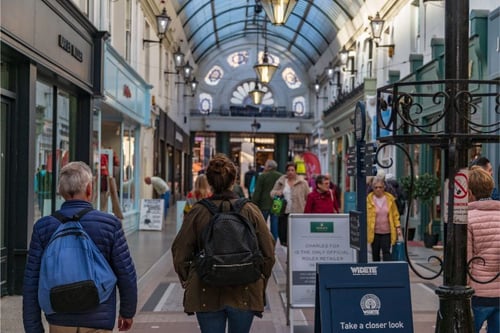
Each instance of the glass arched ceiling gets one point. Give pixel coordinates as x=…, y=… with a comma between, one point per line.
x=311, y=27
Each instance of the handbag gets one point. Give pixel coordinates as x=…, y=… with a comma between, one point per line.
x=398, y=251
x=279, y=205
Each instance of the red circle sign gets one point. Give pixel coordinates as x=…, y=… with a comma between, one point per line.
x=460, y=186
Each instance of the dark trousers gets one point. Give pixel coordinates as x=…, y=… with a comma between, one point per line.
x=283, y=229
x=381, y=242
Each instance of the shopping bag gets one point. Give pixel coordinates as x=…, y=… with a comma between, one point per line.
x=279, y=205
x=398, y=251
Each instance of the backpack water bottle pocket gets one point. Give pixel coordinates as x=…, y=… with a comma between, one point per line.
x=80, y=296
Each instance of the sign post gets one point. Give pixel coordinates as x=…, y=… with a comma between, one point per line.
x=359, y=131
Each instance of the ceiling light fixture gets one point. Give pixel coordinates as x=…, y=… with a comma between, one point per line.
x=265, y=70
x=278, y=11
x=257, y=94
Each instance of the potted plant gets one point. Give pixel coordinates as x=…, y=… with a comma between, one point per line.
x=427, y=187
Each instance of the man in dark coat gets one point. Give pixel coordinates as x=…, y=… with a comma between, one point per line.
x=262, y=196
x=75, y=186
x=248, y=179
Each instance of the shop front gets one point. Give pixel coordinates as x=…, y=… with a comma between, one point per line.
x=120, y=118
x=50, y=71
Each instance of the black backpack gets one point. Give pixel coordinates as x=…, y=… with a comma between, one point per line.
x=230, y=253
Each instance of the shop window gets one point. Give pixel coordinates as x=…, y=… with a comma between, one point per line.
x=128, y=169
x=53, y=143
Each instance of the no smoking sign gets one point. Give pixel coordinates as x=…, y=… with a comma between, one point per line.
x=460, y=197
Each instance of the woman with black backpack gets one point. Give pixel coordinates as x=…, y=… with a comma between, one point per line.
x=214, y=303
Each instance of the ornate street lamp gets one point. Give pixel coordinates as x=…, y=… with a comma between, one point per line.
x=278, y=11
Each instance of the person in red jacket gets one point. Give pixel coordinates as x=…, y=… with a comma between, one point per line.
x=322, y=199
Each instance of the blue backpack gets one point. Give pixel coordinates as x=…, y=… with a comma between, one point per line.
x=74, y=275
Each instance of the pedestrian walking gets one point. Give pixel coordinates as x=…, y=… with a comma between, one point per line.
x=321, y=199
x=485, y=163
x=247, y=182
x=483, y=248
x=382, y=218
x=295, y=191
x=262, y=194
x=200, y=191
x=219, y=306
x=162, y=189
x=75, y=186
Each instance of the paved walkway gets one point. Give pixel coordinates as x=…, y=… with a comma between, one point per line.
x=160, y=295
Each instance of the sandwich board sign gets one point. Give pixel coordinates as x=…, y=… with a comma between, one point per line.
x=151, y=214
x=363, y=297
x=313, y=239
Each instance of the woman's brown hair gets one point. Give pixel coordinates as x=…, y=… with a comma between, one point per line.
x=221, y=173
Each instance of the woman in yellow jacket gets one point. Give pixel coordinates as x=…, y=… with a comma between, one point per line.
x=382, y=218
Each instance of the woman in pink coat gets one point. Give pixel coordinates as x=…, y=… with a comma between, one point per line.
x=483, y=241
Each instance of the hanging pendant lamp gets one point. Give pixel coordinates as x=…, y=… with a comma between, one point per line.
x=257, y=94
x=278, y=11
x=265, y=70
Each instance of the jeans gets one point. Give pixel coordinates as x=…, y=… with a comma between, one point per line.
x=381, y=242
x=490, y=314
x=238, y=321
x=273, y=222
x=166, y=203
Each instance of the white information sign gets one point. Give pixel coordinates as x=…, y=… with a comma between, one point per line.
x=151, y=217
x=313, y=239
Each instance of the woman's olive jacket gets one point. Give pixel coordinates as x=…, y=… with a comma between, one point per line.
x=199, y=297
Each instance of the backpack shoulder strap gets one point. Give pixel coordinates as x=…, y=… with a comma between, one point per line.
x=213, y=209
x=238, y=204
x=63, y=219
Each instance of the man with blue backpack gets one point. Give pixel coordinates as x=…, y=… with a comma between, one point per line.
x=73, y=299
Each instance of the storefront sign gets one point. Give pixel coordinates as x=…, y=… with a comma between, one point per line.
x=359, y=298
x=67, y=46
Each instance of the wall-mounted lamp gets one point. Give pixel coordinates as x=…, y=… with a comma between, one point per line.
x=377, y=26
x=257, y=93
x=350, y=64
x=330, y=73
x=317, y=88
x=344, y=54
x=179, y=63
x=278, y=11
x=193, y=84
x=162, y=23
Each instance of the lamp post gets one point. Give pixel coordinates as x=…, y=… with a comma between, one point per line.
x=255, y=127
